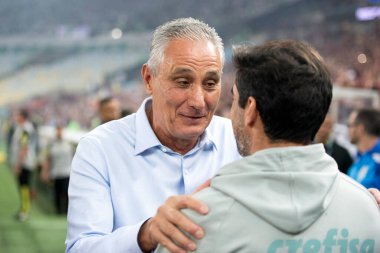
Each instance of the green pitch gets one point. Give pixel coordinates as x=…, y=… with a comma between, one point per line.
x=44, y=232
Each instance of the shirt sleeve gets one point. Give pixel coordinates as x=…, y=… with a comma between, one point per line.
x=90, y=214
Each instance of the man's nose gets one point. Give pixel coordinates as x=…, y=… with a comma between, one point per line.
x=196, y=97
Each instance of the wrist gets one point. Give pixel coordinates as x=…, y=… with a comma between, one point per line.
x=144, y=239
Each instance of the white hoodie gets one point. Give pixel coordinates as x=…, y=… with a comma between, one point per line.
x=290, y=199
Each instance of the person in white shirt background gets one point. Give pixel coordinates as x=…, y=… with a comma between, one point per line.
x=56, y=167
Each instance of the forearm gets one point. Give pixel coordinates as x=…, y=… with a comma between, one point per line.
x=122, y=240
x=93, y=223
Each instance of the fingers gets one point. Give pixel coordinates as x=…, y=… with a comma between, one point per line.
x=171, y=212
x=169, y=224
x=186, y=201
x=376, y=194
x=170, y=237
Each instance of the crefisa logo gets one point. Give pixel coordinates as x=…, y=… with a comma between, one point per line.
x=333, y=242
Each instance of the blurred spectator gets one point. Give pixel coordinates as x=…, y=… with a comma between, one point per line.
x=109, y=109
x=23, y=158
x=59, y=154
x=336, y=151
x=364, y=132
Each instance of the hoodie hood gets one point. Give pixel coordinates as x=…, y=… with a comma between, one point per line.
x=288, y=187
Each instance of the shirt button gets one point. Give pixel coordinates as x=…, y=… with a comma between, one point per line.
x=163, y=149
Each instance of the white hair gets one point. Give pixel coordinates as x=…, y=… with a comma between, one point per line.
x=186, y=28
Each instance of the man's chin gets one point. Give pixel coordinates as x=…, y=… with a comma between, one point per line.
x=192, y=132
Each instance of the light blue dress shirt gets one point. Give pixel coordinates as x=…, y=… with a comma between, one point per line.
x=121, y=174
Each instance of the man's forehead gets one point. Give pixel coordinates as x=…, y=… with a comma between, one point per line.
x=182, y=47
x=182, y=70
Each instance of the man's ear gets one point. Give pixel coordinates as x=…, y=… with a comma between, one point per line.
x=146, y=74
x=250, y=112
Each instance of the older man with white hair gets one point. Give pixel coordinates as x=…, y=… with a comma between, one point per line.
x=125, y=169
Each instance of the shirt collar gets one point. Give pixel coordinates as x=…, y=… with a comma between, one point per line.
x=208, y=140
x=146, y=138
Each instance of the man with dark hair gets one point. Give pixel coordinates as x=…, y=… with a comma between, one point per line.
x=364, y=132
x=286, y=194
x=130, y=177
x=109, y=109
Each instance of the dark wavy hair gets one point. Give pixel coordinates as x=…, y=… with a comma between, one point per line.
x=291, y=85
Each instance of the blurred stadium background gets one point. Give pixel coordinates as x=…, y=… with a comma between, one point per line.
x=57, y=58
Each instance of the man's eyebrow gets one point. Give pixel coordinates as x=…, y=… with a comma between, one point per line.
x=213, y=74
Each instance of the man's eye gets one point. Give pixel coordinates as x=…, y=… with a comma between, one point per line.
x=182, y=82
x=210, y=85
